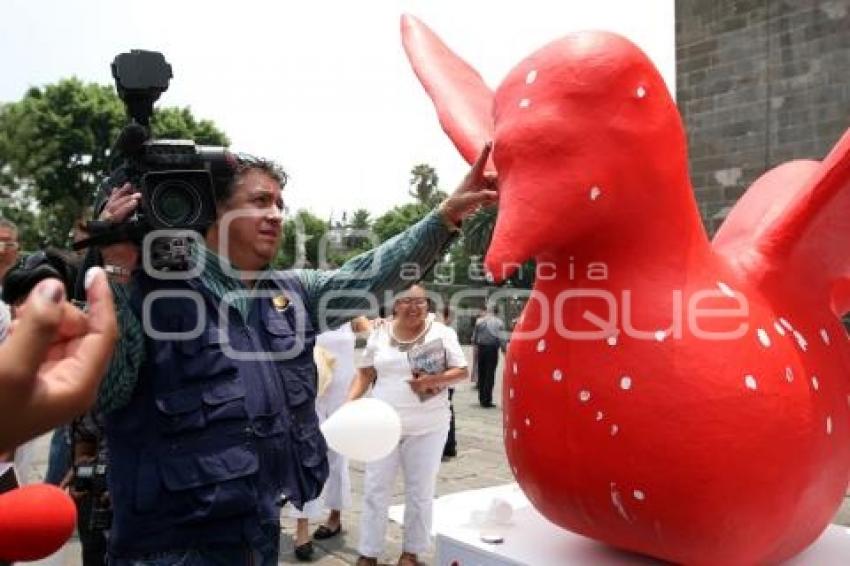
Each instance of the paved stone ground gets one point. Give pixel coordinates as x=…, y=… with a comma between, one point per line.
x=480, y=463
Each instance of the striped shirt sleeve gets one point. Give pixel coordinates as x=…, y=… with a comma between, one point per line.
x=365, y=281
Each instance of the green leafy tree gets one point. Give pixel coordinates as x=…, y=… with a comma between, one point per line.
x=360, y=219
x=399, y=219
x=303, y=234
x=356, y=237
x=55, y=148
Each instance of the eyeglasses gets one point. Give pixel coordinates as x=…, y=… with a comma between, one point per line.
x=415, y=301
x=8, y=246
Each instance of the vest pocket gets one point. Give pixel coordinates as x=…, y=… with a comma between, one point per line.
x=300, y=385
x=180, y=411
x=194, y=408
x=225, y=400
x=202, y=356
x=200, y=487
x=310, y=444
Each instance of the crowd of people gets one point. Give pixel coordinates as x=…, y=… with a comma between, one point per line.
x=183, y=426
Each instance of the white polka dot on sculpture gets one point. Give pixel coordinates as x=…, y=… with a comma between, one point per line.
x=611, y=340
x=640, y=92
x=541, y=345
x=764, y=339
x=725, y=289
x=557, y=375
x=625, y=383
x=639, y=495
x=660, y=335
x=789, y=375
x=750, y=382
x=531, y=76
x=584, y=396
x=595, y=192
x=824, y=335
x=829, y=425
x=524, y=103
x=614, y=430
x=815, y=383
x=779, y=329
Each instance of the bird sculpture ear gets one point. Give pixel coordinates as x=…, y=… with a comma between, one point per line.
x=463, y=101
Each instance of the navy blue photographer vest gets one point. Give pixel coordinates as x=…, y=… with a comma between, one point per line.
x=216, y=430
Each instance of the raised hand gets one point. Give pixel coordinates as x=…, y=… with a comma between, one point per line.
x=477, y=189
x=53, y=362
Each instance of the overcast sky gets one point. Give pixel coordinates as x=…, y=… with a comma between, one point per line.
x=323, y=87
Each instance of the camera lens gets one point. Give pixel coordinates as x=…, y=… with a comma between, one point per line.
x=176, y=203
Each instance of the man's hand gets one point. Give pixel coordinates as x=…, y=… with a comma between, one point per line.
x=476, y=190
x=52, y=363
x=121, y=204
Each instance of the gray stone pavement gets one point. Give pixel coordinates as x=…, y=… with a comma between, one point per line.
x=480, y=463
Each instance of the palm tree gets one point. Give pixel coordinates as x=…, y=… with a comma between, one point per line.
x=423, y=185
x=478, y=231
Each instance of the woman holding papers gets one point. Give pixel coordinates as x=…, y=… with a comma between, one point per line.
x=410, y=363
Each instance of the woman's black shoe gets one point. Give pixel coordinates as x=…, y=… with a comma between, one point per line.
x=304, y=552
x=325, y=532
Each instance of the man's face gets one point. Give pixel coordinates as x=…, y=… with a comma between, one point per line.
x=8, y=247
x=252, y=220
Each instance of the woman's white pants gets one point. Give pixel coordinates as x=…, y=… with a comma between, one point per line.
x=418, y=456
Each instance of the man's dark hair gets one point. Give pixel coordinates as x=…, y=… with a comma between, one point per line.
x=242, y=163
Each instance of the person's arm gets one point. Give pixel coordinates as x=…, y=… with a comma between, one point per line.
x=430, y=382
x=54, y=360
x=361, y=326
x=338, y=296
x=503, y=336
x=361, y=383
x=335, y=297
x=123, y=373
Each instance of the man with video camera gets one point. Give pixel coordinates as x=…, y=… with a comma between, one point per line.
x=209, y=400
x=210, y=407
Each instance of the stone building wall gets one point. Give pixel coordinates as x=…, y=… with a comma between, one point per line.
x=759, y=82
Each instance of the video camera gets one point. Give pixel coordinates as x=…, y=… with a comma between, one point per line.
x=176, y=178
x=90, y=480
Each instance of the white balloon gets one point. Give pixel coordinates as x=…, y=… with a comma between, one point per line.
x=364, y=430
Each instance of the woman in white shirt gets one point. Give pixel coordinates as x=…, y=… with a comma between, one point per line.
x=422, y=403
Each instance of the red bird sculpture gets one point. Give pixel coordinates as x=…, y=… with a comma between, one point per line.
x=663, y=393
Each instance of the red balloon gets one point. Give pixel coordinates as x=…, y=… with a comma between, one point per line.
x=666, y=394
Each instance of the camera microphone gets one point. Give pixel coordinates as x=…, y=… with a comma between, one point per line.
x=131, y=139
x=35, y=521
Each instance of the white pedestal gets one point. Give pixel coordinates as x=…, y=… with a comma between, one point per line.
x=531, y=539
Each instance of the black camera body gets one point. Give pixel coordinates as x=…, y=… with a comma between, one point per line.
x=90, y=480
x=177, y=179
